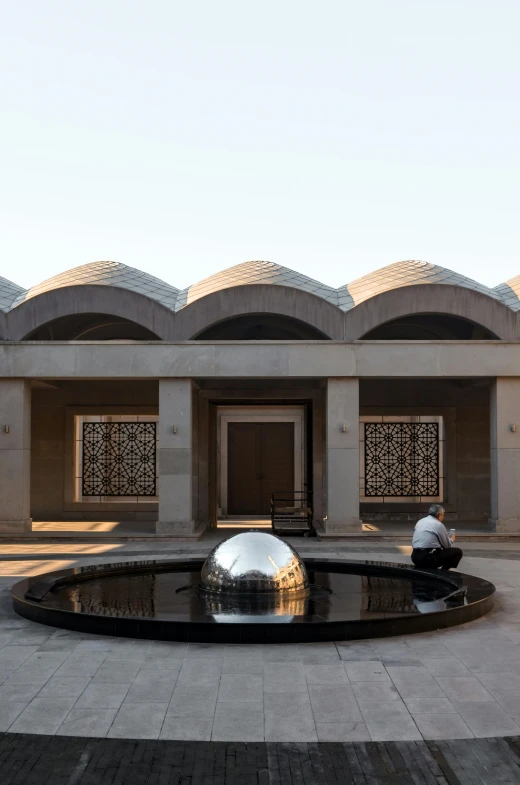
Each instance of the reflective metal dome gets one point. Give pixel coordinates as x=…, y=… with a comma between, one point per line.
x=254, y=562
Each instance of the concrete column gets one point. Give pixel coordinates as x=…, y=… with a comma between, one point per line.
x=342, y=481
x=15, y=456
x=505, y=454
x=175, y=458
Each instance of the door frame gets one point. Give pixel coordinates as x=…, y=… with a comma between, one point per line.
x=227, y=414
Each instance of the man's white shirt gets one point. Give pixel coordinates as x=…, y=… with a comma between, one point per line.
x=429, y=532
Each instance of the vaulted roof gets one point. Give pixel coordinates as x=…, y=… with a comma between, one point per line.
x=393, y=276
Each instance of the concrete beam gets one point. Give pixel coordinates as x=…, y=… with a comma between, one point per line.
x=259, y=359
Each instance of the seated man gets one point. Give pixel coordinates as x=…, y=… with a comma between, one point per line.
x=432, y=547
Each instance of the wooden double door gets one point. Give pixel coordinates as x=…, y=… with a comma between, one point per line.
x=260, y=461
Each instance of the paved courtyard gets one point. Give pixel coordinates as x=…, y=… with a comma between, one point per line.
x=448, y=685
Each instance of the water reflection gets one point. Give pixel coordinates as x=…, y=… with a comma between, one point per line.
x=170, y=595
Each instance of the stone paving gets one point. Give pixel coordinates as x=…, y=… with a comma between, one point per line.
x=455, y=684
x=33, y=760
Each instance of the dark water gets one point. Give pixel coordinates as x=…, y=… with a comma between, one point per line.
x=175, y=595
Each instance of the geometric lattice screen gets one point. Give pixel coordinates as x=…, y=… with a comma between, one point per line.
x=402, y=459
x=119, y=458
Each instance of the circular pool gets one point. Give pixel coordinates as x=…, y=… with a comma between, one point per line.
x=166, y=600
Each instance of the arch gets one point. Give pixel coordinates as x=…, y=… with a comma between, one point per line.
x=91, y=327
x=261, y=327
x=314, y=313
x=455, y=301
x=84, y=300
x=429, y=327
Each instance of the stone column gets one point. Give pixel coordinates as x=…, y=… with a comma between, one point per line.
x=15, y=456
x=342, y=480
x=505, y=454
x=175, y=458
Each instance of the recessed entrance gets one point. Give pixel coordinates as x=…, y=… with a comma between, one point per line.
x=260, y=450
x=260, y=461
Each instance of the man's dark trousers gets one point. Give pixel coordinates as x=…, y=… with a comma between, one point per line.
x=437, y=557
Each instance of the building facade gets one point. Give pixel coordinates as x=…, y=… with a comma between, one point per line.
x=124, y=398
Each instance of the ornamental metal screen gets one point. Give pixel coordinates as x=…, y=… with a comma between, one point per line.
x=119, y=458
x=402, y=459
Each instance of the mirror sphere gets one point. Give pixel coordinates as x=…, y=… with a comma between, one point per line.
x=254, y=562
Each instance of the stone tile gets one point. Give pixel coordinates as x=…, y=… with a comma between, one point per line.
x=246, y=664
x=429, y=649
x=21, y=693
x=408, y=661
x=193, y=701
x=487, y=719
x=442, y=726
x=449, y=666
x=206, y=651
x=325, y=673
x=288, y=717
x=29, y=638
x=366, y=671
x=244, y=650
x=81, y=665
x=138, y=721
x=429, y=706
x=149, y=687
x=342, y=731
x=241, y=688
x=30, y=675
x=187, y=728
x=96, y=645
x=197, y=673
x=357, y=651
x=334, y=704
x=463, y=688
x=500, y=682
x=413, y=682
x=311, y=652
x=117, y=672
x=239, y=722
x=282, y=652
x=161, y=662
x=510, y=702
x=373, y=693
x=46, y=714
x=64, y=686
x=12, y=656
x=284, y=677
x=102, y=696
x=390, y=722
x=168, y=649
x=9, y=711
x=59, y=645
x=129, y=650
x=87, y=722
x=390, y=647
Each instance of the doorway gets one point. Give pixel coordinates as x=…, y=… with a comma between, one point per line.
x=260, y=449
x=260, y=461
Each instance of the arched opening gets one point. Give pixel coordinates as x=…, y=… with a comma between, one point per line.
x=91, y=327
x=261, y=327
x=429, y=327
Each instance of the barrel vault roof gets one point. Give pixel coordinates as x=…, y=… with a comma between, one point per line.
x=392, y=276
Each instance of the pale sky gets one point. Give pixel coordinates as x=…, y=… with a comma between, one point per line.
x=333, y=137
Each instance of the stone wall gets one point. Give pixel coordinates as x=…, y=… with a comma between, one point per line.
x=464, y=404
x=51, y=444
